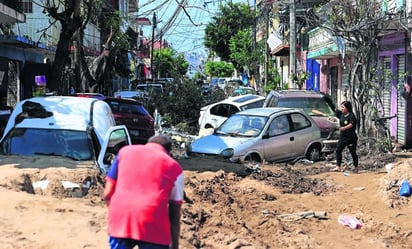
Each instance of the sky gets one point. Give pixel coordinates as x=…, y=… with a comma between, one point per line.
x=183, y=28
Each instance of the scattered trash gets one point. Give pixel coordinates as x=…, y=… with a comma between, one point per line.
x=306, y=161
x=349, y=221
x=265, y=211
x=27, y=184
x=177, y=138
x=359, y=188
x=253, y=168
x=346, y=174
x=405, y=189
x=309, y=214
x=392, y=184
x=41, y=184
x=87, y=183
x=158, y=120
x=388, y=167
x=67, y=184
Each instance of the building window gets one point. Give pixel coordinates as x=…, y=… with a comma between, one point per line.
x=26, y=6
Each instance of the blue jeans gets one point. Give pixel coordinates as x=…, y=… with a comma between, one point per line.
x=122, y=243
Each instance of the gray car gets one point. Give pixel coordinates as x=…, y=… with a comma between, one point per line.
x=269, y=134
x=318, y=105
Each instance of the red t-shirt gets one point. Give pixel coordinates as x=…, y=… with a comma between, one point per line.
x=146, y=179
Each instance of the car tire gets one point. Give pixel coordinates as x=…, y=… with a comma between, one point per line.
x=313, y=153
x=253, y=163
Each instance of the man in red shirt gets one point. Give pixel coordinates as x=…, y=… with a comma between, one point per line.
x=144, y=194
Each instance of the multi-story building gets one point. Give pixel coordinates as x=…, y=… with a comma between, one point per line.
x=39, y=28
x=286, y=23
x=329, y=53
x=30, y=47
x=21, y=59
x=326, y=57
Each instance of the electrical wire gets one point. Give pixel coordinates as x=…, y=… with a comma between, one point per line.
x=182, y=22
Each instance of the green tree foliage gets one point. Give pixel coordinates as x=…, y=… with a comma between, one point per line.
x=273, y=81
x=198, y=76
x=120, y=45
x=168, y=64
x=243, y=52
x=229, y=20
x=219, y=69
x=179, y=105
x=181, y=65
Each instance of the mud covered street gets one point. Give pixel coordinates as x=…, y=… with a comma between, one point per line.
x=226, y=205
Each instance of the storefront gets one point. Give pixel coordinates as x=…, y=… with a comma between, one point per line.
x=21, y=63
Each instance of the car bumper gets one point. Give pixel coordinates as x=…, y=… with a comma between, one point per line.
x=329, y=145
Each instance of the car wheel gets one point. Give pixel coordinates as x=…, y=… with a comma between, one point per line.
x=253, y=163
x=313, y=153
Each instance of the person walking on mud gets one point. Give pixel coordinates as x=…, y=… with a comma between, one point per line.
x=144, y=194
x=348, y=137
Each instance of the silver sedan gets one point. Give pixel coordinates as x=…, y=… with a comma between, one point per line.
x=263, y=134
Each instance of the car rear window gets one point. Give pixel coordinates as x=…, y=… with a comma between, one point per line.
x=150, y=88
x=256, y=104
x=312, y=106
x=128, y=108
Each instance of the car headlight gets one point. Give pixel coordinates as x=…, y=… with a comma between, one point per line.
x=227, y=153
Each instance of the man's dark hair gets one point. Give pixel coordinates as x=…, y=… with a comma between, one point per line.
x=165, y=141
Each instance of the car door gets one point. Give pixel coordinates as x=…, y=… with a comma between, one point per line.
x=116, y=137
x=219, y=113
x=279, y=145
x=301, y=125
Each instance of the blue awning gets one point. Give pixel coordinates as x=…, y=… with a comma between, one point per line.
x=22, y=49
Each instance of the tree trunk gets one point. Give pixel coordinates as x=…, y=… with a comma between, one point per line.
x=62, y=54
x=70, y=21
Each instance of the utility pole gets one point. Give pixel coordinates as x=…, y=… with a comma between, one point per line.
x=267, y=52
x=151, y=51
x=292, y=42
x=160, y=51
x=257, y=85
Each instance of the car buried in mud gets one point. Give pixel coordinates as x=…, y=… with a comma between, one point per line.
x=82, y=129
x=262, y=134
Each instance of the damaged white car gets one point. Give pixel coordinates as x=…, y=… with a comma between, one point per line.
x=82, y=129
